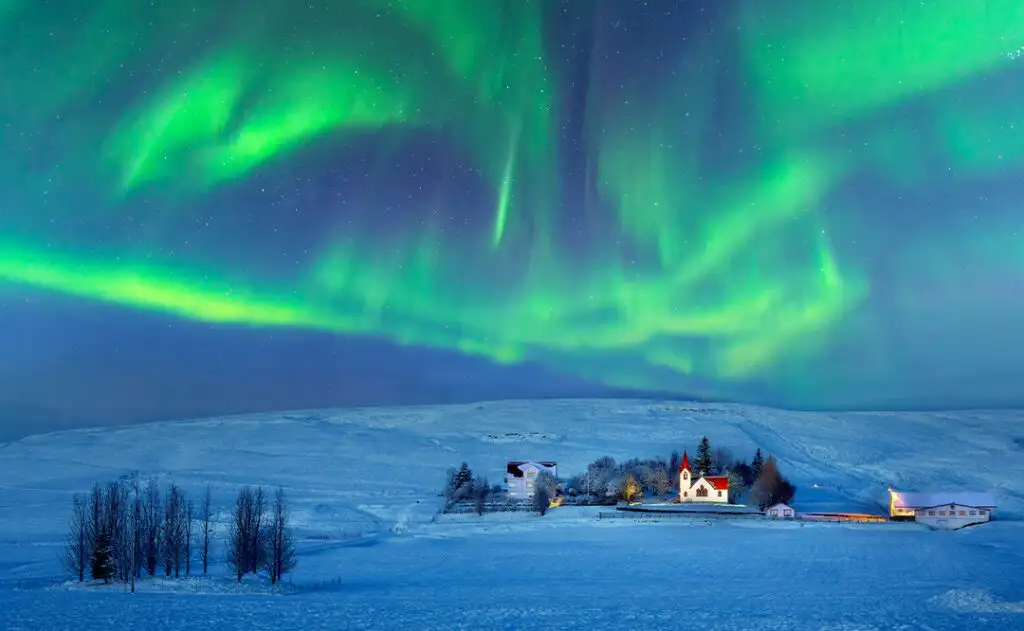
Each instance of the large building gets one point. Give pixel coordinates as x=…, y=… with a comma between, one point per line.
x=946, y=509
x=712, y=488
x=520, y=477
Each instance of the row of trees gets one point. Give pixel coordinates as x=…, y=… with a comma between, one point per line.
x=606, y=481
x=125, y=528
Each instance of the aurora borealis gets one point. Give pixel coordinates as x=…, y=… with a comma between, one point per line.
x=738, y=199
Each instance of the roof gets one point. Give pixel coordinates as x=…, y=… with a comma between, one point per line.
x=686, y=462
x=938, y=498
x=514, y=468
x=782, y=505
x=720, y=482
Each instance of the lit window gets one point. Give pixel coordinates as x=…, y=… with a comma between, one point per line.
x=963, y=513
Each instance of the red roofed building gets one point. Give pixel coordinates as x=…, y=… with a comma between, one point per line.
x=712, y=488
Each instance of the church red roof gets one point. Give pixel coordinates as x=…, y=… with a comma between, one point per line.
x=686, y=462
x=720, y=482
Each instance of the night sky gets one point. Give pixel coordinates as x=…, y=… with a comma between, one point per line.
x=214, y=206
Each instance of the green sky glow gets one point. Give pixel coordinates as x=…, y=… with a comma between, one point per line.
x=713, y=270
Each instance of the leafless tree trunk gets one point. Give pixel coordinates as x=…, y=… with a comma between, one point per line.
x=174, y=530
x=281, y=546
x=152, y=527
x=76, y=555
x=239, y=534
x=257, y=546
x=205, y=528
x=188, y=538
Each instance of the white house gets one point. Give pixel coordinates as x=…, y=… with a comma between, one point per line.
x=521, y=475
x=907, y=506
x=712, y=488
x=780, y=511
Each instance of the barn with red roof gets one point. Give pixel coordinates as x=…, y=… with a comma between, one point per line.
x=712, y=488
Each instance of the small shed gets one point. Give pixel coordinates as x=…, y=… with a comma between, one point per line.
x=780, y=511
x=952, y=516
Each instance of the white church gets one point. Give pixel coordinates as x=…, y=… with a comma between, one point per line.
x=712, y=488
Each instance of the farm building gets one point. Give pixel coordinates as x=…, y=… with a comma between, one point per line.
x=907, y=506
x=780, y=511
x=952, y=516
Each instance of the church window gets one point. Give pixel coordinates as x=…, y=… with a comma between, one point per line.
x=719, y=494
x=702, y=492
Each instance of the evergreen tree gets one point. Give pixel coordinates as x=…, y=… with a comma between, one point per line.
x=704, y=459
x=463, y=477
x=674, y=463
x=757, y=463
x=101, y=567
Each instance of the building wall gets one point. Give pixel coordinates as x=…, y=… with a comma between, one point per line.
x=690, y=494
x=780, y=512
x=952, y=517
x=522, y=488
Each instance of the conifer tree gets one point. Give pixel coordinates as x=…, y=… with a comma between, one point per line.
x=674, y=462
x=757, y=463
x=704, y=460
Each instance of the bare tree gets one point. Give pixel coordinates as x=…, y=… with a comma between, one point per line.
x=771, y=487
x=281, y=547
x=660, y=482
x=115, y=516
x=720, y=460
x=204, y=528
x=75, y=558
x=239, y=537
x=137, y=526
x=187, y=539
x=174, y=530
x=152, y=527
x=257, y=546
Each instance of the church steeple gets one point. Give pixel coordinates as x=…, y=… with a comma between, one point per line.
x=685, y=478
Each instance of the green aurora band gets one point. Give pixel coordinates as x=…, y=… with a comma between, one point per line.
x=711, y=277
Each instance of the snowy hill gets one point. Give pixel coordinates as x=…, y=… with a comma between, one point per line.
x=359, y=475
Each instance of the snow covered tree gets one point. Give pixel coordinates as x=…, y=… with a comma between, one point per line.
x=704, y=460
x=204, y=528
x=281, y=548
x=481, y=494
x=75, y=557
x=661, y=483
x=756, y=464
x=544, y=489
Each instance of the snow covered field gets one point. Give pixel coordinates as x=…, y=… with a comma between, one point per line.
x=364, y=487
